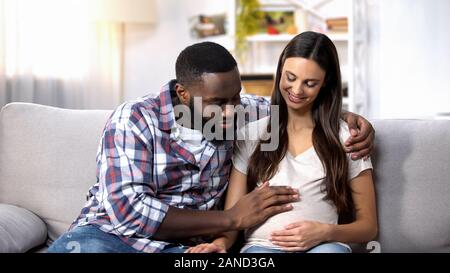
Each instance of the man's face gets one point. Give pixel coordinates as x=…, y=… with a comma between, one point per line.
x=217, y=90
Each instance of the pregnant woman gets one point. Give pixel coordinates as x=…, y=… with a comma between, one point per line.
x=310, y=157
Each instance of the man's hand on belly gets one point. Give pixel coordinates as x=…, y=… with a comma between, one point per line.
x=257, y=206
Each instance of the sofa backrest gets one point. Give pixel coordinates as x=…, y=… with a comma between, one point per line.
x=47, y=160
x=412, y=181
x=47, y=164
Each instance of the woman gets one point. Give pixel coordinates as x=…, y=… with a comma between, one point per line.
x=309, y=157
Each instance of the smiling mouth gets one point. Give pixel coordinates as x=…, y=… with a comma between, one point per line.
x=295, y=99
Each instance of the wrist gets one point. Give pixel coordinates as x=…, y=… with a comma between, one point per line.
x=221, y=242
x=329, y=230
x=232, y=222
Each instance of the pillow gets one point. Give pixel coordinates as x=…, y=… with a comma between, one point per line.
x=20, y=229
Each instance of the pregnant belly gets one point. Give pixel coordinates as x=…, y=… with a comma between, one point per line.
x=322, y=211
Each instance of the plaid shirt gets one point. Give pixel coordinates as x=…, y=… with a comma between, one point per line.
x=143, y=168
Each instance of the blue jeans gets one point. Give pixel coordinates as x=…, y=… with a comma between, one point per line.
x=90, y=239
x=321, y=248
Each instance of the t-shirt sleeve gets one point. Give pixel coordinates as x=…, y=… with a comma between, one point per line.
x=355, y=167
x=241, y=155
x=247, y=140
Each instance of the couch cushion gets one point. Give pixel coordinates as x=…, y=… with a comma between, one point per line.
x=412, y=180
x=47, y=160
x=20, y=229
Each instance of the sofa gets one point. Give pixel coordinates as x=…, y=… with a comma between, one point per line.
x=47, y=164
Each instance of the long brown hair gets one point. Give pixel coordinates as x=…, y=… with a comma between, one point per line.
x=326, y=113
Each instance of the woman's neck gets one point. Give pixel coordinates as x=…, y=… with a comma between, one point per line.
x=299, y=120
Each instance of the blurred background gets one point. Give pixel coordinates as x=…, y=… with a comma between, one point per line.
x=95, y=54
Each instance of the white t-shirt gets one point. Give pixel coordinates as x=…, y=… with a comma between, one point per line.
x=303, y=172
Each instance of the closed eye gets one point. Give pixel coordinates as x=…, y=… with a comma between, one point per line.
x=311, y=84
x=290, y=78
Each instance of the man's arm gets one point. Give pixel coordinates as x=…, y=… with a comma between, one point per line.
x=252, y=209
x=125, y=174
x=361, y=141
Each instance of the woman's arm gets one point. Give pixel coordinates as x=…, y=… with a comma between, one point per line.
x=237, y=191
x=237, y=188
x=365, y=227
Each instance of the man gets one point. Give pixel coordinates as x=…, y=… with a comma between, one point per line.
x=159, y=182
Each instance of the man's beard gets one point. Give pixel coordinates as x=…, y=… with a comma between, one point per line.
x=227, y=134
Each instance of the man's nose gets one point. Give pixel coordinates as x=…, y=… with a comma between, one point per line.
x=228, y=112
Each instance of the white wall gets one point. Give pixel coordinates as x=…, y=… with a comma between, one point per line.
x=151, y=51
x=409, y=53
x=410, y=58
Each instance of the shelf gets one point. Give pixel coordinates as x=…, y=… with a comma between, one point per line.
x=336, y=37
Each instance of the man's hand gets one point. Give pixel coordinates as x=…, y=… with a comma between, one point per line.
x=260, y=204
x=206, y=248
x=360, y=143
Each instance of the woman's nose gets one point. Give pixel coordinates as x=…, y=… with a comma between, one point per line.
x=297, y=88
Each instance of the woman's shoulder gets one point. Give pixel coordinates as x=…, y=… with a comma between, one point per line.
x=254, y=130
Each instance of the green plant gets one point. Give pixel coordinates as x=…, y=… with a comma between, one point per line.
x=248, y=18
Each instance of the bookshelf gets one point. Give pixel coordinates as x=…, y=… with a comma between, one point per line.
x=264, y=49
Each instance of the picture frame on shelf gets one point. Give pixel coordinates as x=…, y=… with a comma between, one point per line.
x=204, y=26
x=277, y=22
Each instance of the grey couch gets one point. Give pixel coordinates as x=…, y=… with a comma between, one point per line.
x=47, y=164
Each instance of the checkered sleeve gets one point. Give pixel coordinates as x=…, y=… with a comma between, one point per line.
x=259, y=106
x=125, y=172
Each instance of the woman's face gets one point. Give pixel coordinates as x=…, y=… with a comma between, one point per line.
x=301, y=80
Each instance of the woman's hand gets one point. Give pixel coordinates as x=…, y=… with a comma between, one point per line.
x=301, y=236
x=207, y=248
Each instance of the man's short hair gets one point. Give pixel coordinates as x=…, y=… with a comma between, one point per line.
x=206, y=57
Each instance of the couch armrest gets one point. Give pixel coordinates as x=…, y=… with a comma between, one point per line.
x=20, y=229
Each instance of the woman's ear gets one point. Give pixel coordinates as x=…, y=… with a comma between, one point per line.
x=182, y=93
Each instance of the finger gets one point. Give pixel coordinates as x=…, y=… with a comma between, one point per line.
x=212, y=248
x=279, y=190
x=294, y=225
x=285, y=244
x=358, y=146
x=273, y=210
x=200, y=248
x=280, y=200
x=294, y=249
x=361, y=154
x=190, y=250
x=284, y=238
x=366, y=131
x=194, y=250
x=264, y=185
x=286, y=232
x=352, y=124
x=204, y=249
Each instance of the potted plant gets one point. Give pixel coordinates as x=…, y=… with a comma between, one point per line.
x=248, y=18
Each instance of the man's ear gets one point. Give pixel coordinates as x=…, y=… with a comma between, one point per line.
x=182, y=93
